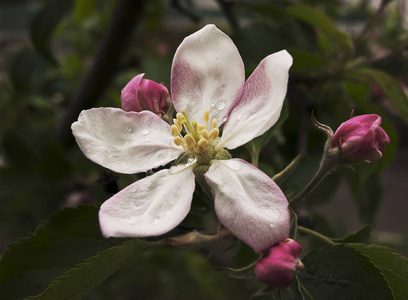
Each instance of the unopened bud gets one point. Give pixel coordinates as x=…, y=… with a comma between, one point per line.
x=360, y=138
x=279, y=263
x=144, y=94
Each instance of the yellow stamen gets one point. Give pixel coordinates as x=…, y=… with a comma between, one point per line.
x=174, y=130
x=203, y=143
x=190, y=141
x=214, y=123
x=214, y=133
x=206, y=115
x=205, y=134
x=178, y=141
x=188, y=125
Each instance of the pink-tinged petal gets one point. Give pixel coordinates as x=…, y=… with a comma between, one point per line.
x=249, y=203
x=125, y=142
x=129, y=94
x=261, y=102
x=207, y=73
x=149, y=207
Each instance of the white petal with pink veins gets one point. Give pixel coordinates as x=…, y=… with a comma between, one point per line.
x=149, y=207
x=125, y=142
x=261, y=102
x=249, y=203
x=207, y=73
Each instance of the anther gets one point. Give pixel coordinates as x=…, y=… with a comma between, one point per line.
x=206, y=115
x=202, y=143
x=205, y=134
x=190, y=141
x=174, y=130
x=178, y=141
x=214, y=123
x=214, y=133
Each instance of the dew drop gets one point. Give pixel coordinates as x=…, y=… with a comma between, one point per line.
x=212, y=104
x=224, y=119
x=146, y=140
x=145, y=131
x=129, y=129
x=272, y=225
x=220, y=104
x=239, y=115
x=252, y=116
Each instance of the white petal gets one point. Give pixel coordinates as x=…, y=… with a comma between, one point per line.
x=125, y=142
x=249, y=203
x=149, y=207
x=261, y=102
x=207, y=73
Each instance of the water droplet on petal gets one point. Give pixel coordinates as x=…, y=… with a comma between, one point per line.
x=145, y=131
x=212, y=104
x=224, y=119
x=129, y=129
x=220, y=104
x=272, y=225
x=146, y=140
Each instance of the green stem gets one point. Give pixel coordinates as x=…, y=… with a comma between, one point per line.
x=316, y=235
x=326, y=165
x=255, y=155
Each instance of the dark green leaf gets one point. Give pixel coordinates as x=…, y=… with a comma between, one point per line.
x=359, y=237
x=335, y=38
x=77, y=281
x=392, y=90
x=305, y=63
x=342, y=272
x=69, y=237
x=393, y=266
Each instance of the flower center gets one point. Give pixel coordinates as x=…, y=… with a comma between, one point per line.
x=197, y=140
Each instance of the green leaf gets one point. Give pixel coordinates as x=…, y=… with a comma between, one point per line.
x=44, y=24
x=69, y=237
x=392, y=90
x=342, y=272
x=339, y=40
x=360, y=236
x=83, y=9
x=393, y=266
x=305, y=63
x=77, y=281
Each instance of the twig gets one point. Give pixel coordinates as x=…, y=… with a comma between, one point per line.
x=127, y=14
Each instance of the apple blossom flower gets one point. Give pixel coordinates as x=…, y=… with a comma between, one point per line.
x=277, y=266
x=208, y=89
x=361, y=138
x=144, y=94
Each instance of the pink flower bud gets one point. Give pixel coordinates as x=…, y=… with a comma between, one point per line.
x=279, y=263
x=361, y=138
x=144, y=94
